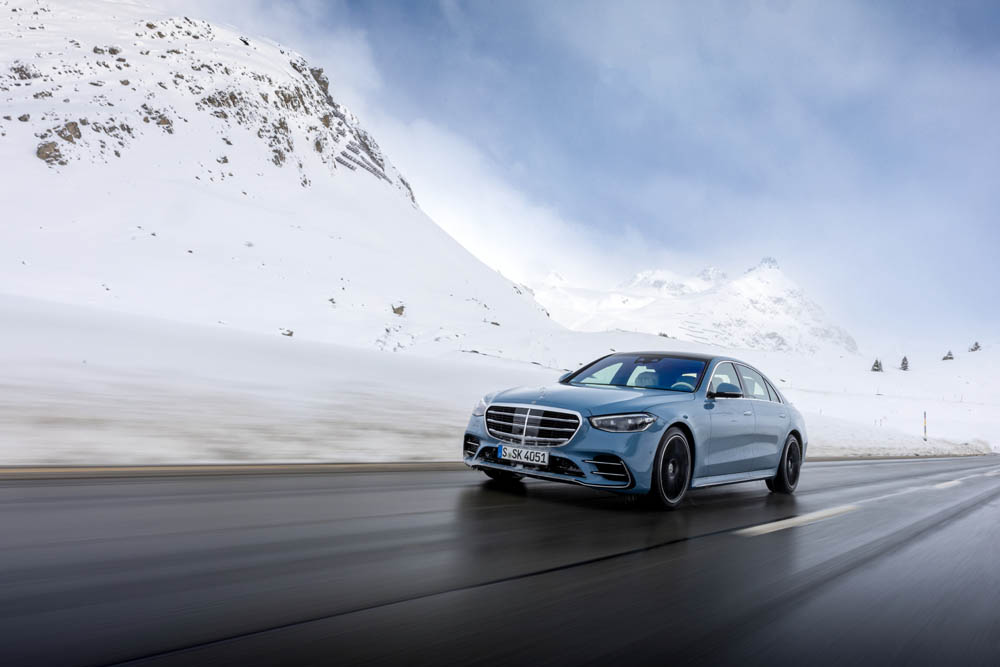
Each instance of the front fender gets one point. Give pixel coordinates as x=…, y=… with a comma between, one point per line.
x=694, y=420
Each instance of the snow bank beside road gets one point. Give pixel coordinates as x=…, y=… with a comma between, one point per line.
x=85, y=386
x=830, y=436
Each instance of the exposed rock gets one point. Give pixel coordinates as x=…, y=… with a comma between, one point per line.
x=24, y=118
x=49, y=151
x=69, y=132
x=23, y=71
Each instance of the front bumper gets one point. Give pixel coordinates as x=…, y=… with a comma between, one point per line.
x=613, y=461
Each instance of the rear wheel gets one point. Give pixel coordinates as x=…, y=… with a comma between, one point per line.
x=672, y=470
x=501, y=475
x=791, y=466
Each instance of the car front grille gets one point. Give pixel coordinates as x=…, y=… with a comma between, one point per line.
x=537, y=426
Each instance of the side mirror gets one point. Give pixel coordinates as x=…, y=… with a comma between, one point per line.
x=564, y=376
x=726, y=390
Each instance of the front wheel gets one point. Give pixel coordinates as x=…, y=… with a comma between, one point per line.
x=672, y=470
x=791, y=465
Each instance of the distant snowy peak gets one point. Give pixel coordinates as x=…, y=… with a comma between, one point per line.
x=95, y=79
x=712, y=275
x=660, y=280
x=760, y=309
x=765, y=263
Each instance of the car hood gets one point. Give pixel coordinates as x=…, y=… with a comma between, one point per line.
x=590, y=400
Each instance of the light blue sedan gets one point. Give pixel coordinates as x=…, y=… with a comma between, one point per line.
x=643, y=423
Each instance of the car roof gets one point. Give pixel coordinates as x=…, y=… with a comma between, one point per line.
x=698, y=356
x=668, y=353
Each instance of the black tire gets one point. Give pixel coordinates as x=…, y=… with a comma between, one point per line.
x=501, y=475
x=769, y=483
x=790, y=468
x=672, y=470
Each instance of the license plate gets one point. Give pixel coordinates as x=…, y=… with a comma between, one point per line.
x=522, y=455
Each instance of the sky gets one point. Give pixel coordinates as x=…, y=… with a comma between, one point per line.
x=857, y=143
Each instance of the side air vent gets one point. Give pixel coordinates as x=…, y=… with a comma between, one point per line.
x=470, y=445
x=610, y=468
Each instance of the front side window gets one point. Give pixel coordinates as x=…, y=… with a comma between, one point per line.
x=753, y=384
x=603, y=375
x=725, y=373
x=642, y=371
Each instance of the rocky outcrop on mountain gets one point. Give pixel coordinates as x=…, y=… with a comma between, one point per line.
x=94, y=102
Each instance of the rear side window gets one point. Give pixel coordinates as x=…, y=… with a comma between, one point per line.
x=753, y=384
x=724, y=373
x=773, y=394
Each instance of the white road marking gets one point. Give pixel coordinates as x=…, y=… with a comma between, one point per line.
x=909, y=489
x=813, y=517
x=802, y=520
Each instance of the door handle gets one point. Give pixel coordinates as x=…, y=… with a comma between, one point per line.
x=748, y=413
x=781, y=416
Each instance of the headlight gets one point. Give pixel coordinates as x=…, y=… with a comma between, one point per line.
x=637, y=421
x=480, y=408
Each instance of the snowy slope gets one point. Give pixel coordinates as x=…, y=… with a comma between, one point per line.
x=167, y=167
x=762, y=309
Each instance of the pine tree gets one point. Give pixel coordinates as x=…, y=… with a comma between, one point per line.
x=948, y=357
x=877, y=366
x=904, y=365
x=975, y=347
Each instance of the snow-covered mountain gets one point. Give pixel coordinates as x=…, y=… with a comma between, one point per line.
x=169, y=167
x=762, y=309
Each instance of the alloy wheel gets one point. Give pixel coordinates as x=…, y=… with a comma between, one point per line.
x=675, y=468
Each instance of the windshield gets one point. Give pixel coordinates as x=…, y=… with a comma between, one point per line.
x=643, y=371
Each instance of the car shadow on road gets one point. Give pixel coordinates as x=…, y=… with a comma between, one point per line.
x=752, y=498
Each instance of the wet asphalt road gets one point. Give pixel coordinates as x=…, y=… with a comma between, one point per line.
x=443, y=567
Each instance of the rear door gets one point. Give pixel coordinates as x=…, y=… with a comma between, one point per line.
x=783, y=427
x=770, y=424
x=733, y=434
